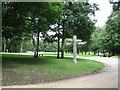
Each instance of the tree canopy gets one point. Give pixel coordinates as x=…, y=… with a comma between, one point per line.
x=67, y=19
x=106, y=39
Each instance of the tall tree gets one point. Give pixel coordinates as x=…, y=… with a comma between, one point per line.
x=76, y=19
x=106, y=39
x=18, y=11
x=111, y=41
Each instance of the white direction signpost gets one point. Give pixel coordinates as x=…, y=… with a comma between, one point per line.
x=75, y=41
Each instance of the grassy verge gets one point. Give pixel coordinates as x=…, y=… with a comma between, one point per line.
x=23, y=69
x=72, y=55
x=66, y=54
x=92, y=55
x=116, y=56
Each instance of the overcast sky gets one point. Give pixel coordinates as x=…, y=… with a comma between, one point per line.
x=105, y=11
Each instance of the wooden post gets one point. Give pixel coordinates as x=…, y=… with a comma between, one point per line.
x=74, y=49
x=75, y=42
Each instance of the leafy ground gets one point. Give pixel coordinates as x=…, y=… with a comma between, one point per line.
x=23, y=69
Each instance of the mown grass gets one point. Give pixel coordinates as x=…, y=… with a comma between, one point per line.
x=66, y=54
x=116, y=56
x=83, y=55
x=72, y=55
x=47, y=68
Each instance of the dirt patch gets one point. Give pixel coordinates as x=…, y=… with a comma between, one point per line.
x=9, y=66
x=11, y=78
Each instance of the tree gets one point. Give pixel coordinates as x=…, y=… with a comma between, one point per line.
x=111, y=41
x=32, y=10
x=13, y=25
x=71, y=18
x=54, y=11
x=97, y=37
x=76, y=19
x=106, y=39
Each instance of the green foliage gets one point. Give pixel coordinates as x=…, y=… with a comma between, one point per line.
x=72, y=16
x=112, y=41
x=77, y=20
x=16, y=27
x=106, y=39
x=97, y=39
x=43, y=46
x=48, y=47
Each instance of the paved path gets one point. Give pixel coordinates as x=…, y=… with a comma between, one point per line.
x=106, y=78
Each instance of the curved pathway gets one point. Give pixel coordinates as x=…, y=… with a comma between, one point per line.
x=106, y=78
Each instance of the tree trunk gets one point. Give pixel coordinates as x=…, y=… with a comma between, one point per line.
x=4, y=45
x=34, y=46
x=37, y=44
x=11, y=46
x=15, y=47
x=62, y=48
x=113, y=53
x=98, y=53
x=58, y=54
x=82, y=52
x=109, y=53
x=63, y=39
x=21, y=47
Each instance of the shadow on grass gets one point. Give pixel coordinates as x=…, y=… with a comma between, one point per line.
x=19, y=69
x=26, y=61
x=29, y=60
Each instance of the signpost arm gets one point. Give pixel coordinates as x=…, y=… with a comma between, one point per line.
x=75, y=42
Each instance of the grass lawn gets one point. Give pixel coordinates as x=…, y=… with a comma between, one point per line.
x=116, y=56
x=66, y=54
x=72, y=55
x=23, y=69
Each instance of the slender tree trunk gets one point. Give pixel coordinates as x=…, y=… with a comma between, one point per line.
x=113, y=53
x=21, y=47
x=63, y=39
x=58, y=51
x=98, y=53
x=11, y=46
x=4, y=45
x=82, y=52
x=15, y=48
x=109, y=53
x=37, y=44
x=33, y=39
x=58, y=54
x=62, y=48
